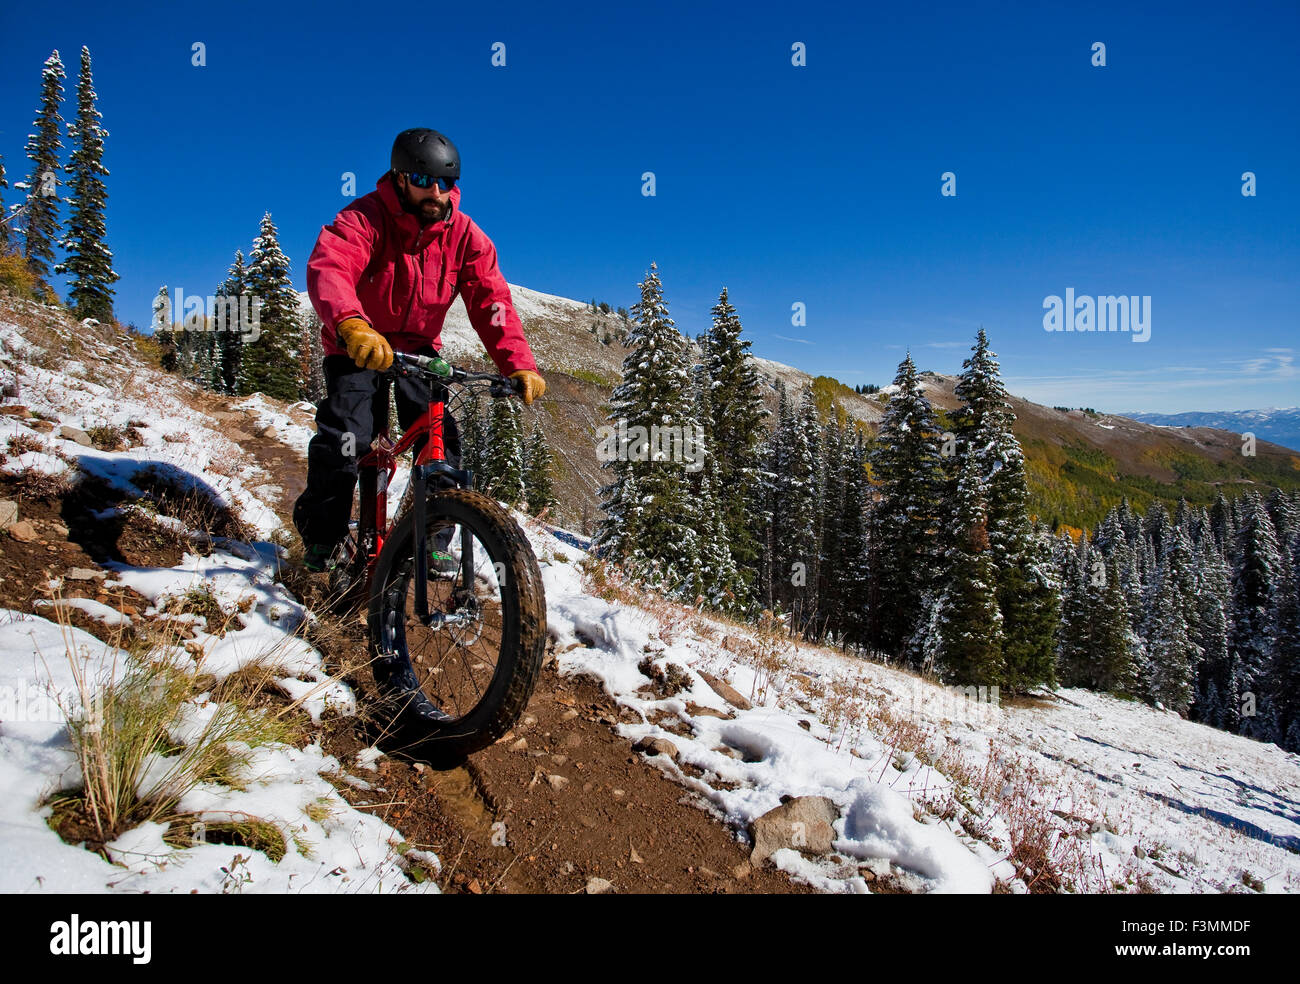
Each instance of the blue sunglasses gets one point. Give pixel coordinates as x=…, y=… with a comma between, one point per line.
x=427, y=180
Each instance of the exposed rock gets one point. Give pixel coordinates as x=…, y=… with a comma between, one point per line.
x=8, y=513
x=557, y=782
x=599, y=886
x=264, y=430
x=656, y=746
x=726, y=691
x=22, y=531
x=15, y=410
x=699, y=710
x=803, y=823
x=83, y=574
x=75, y=434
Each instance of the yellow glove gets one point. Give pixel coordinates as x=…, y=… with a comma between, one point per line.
x=366, y=347
x=533, y=385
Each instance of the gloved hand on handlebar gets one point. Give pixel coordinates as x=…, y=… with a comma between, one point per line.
x=366, y=347
x=531, y=385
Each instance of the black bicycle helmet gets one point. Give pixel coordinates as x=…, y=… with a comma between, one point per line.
x=424, y=151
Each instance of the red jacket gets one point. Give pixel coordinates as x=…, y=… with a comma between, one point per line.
x=374, y=261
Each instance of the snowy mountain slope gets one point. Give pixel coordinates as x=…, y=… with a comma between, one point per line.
x=1281, y=426
x=332, y=846
x=940, y=785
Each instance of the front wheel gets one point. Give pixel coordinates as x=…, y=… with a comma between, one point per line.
x=456, y=677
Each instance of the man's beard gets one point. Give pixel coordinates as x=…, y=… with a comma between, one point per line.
x=429, y=212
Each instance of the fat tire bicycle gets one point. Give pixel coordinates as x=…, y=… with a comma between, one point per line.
x=456, y=649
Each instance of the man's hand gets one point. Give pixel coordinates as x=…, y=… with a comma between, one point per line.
x=366, y=347
x=532, y=385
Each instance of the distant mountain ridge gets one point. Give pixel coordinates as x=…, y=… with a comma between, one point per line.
x=1281, y=426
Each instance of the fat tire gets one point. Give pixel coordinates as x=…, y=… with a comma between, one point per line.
x=444, y=744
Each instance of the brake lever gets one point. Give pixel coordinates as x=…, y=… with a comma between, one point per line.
x=506, y=388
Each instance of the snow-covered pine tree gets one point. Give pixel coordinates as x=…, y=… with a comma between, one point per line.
x=4, y=226
x=836, y=450
x=1117, y=651
x=1258, y=582
x=164, y=332
x=760, y=498
x=1283, y=687
x=202, y=349
x=796, y=514
x=1119, y=538
x=1026, y=587
x=1223, y=524
x=851, y=591
x=1075, y=666
x=311, y=359
x=733, y=432
x=908, y=473
x=539, y=487
x=1216, y=701
x=41, y=216
x=216, y=374
x=1170, y=670
x=964, y=634
x=89, y=260
x=1029, y=597
x=717, y=579
x=503, y=468
x=230, y=334
x=649, y=492
x=269, y=365
x=1282, y=511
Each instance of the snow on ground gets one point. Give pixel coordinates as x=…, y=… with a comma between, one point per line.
x=177, y=440
x=287, y=430
x=330, y=846
x=1136, y=794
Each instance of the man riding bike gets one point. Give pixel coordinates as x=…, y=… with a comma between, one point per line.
x=382, y=276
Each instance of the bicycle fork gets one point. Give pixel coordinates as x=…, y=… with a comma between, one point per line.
x=443, y=475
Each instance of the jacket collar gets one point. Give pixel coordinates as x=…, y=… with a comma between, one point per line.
x=413, y=237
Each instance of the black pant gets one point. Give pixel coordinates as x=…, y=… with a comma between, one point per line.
x=356, y=403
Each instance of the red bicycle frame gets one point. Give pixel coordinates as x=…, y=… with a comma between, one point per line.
x=376, y=469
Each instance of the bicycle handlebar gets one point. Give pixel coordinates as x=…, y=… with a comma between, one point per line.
x=441, y=369
x=437, y=366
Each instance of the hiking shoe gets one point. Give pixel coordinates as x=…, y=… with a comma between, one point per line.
x=315, y=556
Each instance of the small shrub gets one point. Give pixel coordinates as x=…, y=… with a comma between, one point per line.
x=18, y=279
x=36, y=485
x=668, y=681
x=132, y=769
x=108, y=437
x=22, y=443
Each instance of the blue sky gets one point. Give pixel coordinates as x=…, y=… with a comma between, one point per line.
x=817, y=185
